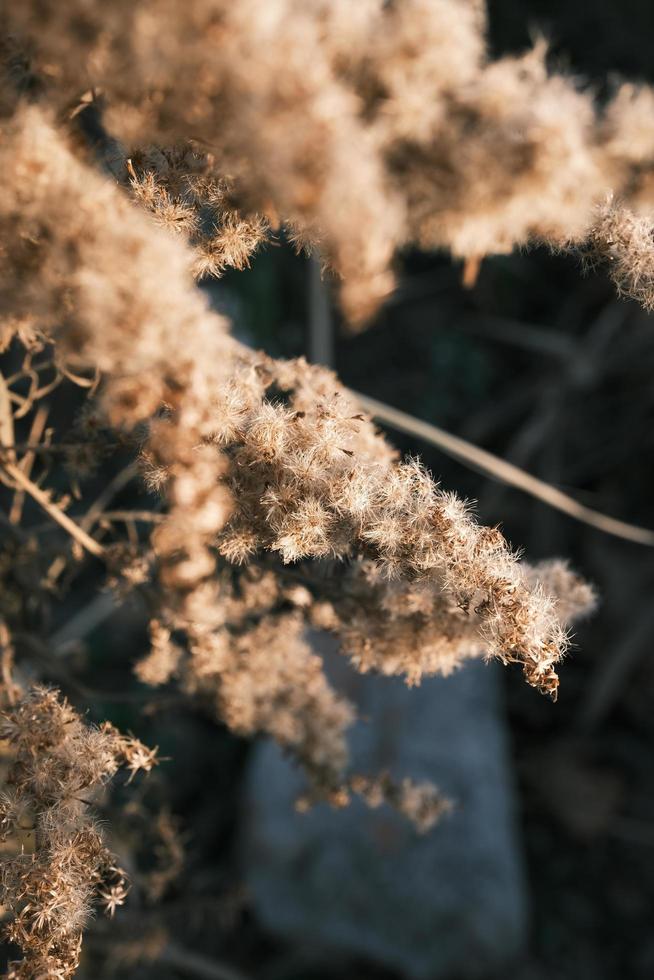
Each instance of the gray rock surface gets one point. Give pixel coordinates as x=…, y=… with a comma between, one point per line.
x=449, y=903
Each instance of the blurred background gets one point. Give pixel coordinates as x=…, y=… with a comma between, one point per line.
x=543, y=367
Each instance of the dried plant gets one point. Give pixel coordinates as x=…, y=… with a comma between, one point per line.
x=136, y=160
x=59, y=763
x=316, y=115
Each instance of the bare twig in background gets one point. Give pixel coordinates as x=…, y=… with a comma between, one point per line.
x=499, y=469
x=515, y=333
x=131, y=516
x=608, y=682
x=120, y=480
x=83, y=622
x=321, y=329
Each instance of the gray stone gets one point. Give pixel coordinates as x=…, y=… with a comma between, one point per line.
x=451, y=902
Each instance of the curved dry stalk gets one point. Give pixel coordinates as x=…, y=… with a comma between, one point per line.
x=27, y=462
x=500, y=469
x=6, y=419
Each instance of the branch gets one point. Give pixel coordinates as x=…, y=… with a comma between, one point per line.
x=56, y=513
x=499, y=469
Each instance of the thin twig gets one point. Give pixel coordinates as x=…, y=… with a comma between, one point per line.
x=27, y=462
x=32, y=447
x=115, y=485
x=321, y=327
x=499, y=469
x=17, y=533
x=140, y=516
x=56, y=513
x=607, y=684
x=6, y=417
x=10, y=689
x=83, y=622
x=94, y=512
x=527, y=336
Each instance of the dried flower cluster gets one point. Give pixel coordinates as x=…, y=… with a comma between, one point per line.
x=359, y=128
x=177, y=186
x=59, y=764
x=364, y=129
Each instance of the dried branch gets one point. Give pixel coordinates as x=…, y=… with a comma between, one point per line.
x=499, y=469
x=41, y=497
